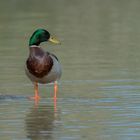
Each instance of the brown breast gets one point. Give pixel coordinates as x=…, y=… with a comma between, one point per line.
x=39, y=62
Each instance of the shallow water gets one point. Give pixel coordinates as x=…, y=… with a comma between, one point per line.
x=98, y=94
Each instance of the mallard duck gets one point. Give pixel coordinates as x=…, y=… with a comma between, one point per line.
x=42, y=67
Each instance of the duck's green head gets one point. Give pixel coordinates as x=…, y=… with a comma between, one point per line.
x=41, y=35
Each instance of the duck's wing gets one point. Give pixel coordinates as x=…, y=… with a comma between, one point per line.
x=39, y=63
x=53, y=56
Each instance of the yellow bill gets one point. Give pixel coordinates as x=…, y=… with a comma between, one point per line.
x=54, y=40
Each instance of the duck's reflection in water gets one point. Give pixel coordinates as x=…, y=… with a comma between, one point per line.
x=41, y=122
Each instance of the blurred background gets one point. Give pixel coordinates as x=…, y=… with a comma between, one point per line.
x=99, y=90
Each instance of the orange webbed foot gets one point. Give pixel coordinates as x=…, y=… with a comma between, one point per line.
x=36, y=97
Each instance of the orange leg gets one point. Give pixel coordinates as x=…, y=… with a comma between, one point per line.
x=55, y=95
x=36, y=97
x=55, y=90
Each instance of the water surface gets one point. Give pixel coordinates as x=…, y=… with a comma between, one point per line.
x=99, y=90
